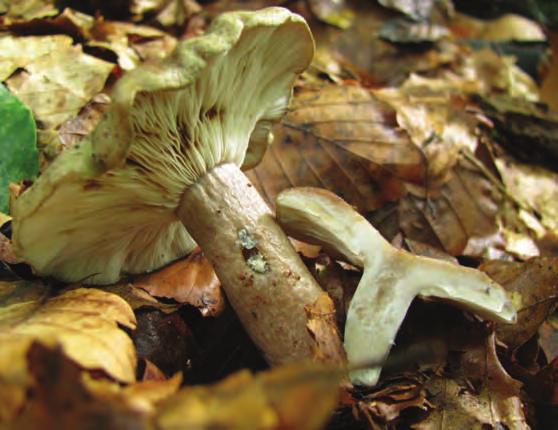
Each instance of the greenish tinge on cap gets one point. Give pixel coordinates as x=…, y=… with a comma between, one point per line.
x=106, y=207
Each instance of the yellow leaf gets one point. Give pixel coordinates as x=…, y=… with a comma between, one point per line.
x=83, y=321
x=299, y=396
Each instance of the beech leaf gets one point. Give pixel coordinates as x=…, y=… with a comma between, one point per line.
x=84, y=321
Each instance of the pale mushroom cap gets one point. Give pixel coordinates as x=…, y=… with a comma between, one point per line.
x=106, y=208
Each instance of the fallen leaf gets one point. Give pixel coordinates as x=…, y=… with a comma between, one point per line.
x=388, y=404
x=376, y=62
x=177, y=12
x=62, y=396
x=343, y=139
x=508, y=27
x=459, y=218
x=30, y=9
x=18, y=52
x=418, y=9
x=479, y=395
x=6, y=252
x=70, y=22
x=535, y=187
x=17, y=144
x=401, y=30
x=321, y=319
x=533, y=288
x=131, y=43
x=188, y=281
x=300, y=396
x=527, y=131
x=56, y=87
x=83, y=321
x=334, y=12
x=138, y=298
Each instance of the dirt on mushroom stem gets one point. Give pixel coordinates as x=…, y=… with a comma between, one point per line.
x=264, y=279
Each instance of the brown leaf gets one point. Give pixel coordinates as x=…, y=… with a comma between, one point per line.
x=386, y=405
x=533, y=287
x=131, y=43
x=191, y=281
x=343, y=139
x=460, y=217
x=478, y=395
x=6, y=252
x=322, y=325
x=139, y=299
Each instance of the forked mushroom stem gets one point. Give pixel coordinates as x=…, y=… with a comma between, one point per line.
x=265, y=280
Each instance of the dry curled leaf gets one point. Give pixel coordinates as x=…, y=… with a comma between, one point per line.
x=189, y=281
x=343, y=139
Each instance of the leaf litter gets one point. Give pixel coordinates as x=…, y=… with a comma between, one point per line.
x=417, y=139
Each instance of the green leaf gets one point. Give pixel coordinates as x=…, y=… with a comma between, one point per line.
x=18, y=151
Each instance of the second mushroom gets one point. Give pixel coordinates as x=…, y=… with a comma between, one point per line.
x=167, y=155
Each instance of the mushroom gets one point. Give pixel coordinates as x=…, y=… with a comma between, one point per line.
x=391, y=278
x=165, y=161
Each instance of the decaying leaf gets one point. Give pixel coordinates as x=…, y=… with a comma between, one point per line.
x=334, y=12
x=56, y=87
x=65, y=397
x=343, y=139
x=321, y=316
x=504, y=28
x=479, y=395
x=30, y=9
x=6, y=252
x=459, y=218
x=535, y=187
x=524, y=129
x=189, y=281
x=18, y=52
x=83, y=321
x=533, y=287
x=418, y=9
x=386, y=405
x=138, y=298
x=131, y=43
x=298, y=396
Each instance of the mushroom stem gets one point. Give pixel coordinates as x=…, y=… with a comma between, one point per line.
x=266, y=282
